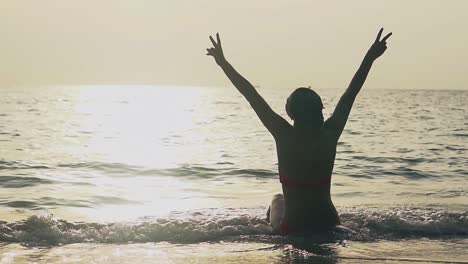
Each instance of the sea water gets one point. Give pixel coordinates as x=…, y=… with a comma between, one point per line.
x=128, y=174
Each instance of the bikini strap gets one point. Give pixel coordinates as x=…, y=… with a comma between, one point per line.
x=298, y=184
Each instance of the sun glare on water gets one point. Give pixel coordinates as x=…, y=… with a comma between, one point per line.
x=135, y=133
x=138, y=125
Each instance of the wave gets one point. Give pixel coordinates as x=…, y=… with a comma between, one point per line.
x=234, y=224
x=405, y=222
x=184, y=170
x=224, y=170
x=20, y=182
x=12, y=165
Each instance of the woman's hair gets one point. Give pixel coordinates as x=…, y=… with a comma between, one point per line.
x=305, y=106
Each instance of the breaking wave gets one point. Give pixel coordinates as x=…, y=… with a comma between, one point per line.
x=234, y=224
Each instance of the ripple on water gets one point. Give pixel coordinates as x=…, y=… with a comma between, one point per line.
x=12, y=165
x=21, y=182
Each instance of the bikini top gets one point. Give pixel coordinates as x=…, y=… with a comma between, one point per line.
x=299, y=184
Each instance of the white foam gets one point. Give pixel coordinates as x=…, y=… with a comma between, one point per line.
x=211, y=225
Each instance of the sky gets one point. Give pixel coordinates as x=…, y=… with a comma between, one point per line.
x=275, y=44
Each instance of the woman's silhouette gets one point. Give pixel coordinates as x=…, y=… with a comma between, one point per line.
x=306, y=150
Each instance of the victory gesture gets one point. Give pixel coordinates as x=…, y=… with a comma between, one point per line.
x=216, y=51
x=310, y=137
x=379, y=46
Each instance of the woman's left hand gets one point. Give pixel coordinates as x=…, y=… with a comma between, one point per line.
x=379, y=46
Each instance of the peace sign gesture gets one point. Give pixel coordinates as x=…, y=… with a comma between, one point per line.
x=379, y=46
x=216, y=51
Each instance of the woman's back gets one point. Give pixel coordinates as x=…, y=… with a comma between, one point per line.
x=305, y=163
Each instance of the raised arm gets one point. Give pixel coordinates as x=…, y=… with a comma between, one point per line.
x=272, y=121
x=339, y=117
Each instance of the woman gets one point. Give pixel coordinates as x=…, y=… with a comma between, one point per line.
x=306, y=150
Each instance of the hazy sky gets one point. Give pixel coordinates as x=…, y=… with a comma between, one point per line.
x=273, y=43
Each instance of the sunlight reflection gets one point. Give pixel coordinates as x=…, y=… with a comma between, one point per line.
x=135, y=124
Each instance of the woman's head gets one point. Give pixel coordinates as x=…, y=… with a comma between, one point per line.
x=305, y=106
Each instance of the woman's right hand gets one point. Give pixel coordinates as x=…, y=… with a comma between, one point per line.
x=216, y=51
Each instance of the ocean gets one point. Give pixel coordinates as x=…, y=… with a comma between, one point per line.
x=153, y=174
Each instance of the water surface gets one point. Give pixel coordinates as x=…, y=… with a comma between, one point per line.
x=90, y=166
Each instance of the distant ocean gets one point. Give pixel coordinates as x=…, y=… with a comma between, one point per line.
x=143, y=174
